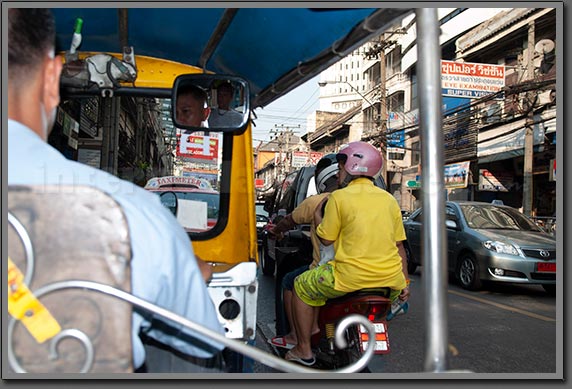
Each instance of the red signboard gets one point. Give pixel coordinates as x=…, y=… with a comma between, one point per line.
x=195, y=146
x=471, y=80
x=259, y=183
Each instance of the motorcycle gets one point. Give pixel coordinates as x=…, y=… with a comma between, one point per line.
x=373, y=303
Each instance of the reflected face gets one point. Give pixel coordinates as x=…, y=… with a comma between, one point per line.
x=224, y=97
x=191, y=111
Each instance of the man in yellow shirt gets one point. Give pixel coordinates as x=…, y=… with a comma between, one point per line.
x=326, y=182
x=364, y=224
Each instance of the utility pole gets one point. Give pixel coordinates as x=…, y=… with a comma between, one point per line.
x=378, y=52
x=382, y=120
x=283, y=137
x=529, y=129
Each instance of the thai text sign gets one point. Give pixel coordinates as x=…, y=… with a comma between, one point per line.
x=301, y=158
x=201, y=147
x=455, y=175
x=396, y=142
x=470, y=80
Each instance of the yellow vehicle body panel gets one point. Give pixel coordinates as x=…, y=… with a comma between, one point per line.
x=153, y=72
x=237, y=242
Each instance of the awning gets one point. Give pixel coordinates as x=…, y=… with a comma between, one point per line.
x=507, y=141
x=274, y=49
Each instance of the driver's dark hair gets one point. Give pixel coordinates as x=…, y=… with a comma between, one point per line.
x=31, y=35
x=196, y=91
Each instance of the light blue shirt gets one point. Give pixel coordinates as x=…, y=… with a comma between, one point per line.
x=224, y=118
x=164, y=270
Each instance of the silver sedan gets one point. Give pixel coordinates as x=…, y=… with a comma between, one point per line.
x=487, y=242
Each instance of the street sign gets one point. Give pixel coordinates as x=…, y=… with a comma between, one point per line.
x=413, y=184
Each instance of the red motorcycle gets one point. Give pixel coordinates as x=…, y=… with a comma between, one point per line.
x=374, y=304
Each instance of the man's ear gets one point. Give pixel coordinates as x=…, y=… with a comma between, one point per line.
x=206, y=113
x=52, y=72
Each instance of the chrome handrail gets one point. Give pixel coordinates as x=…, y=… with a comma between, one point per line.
x=250, y=351
x=236, y=345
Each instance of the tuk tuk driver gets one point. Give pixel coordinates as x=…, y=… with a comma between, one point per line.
x=192, y=106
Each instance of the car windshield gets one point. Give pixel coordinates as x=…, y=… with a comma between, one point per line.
x=494, y=217
x=211, y=199
x=260, y=210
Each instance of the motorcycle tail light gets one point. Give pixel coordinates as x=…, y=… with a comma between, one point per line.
x=373, y=312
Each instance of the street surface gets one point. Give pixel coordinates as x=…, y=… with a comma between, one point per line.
x=500, y=329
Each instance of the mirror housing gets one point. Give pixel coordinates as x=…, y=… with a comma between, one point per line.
x=210, y=102
x=451, y=224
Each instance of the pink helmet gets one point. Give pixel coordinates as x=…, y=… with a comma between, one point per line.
x=360, y=159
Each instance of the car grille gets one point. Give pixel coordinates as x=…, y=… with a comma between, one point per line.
x=536, y=254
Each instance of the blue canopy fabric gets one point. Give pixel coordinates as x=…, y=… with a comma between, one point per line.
x=274, y=49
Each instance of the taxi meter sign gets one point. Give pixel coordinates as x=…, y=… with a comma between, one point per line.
x=158, y=182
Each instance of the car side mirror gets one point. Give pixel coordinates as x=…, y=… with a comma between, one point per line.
x=210, y=102
x=451, y=224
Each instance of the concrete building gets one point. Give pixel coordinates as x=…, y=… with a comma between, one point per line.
x=372, y=95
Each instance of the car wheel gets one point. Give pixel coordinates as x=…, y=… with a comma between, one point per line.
x=468, y=272
x=550, y=289
x=411, y=267
x=266, y=263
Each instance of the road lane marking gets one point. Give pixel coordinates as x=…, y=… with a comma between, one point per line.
x=503, y=306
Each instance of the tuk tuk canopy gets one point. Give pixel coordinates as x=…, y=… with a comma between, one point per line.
x=274, y=49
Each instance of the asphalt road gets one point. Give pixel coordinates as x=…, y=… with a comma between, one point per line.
x=501, y=329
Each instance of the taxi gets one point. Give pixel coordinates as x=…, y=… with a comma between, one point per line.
x=192, y=200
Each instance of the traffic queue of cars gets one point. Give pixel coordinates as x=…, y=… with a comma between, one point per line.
x=485, y=242
x=488, y=242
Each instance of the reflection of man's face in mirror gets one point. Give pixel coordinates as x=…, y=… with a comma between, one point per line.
x=224, y=95
x=192, y=108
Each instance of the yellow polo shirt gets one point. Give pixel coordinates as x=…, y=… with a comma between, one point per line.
x=365, y=223
x=304, y=213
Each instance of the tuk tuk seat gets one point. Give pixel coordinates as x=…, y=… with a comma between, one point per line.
x=57, y=234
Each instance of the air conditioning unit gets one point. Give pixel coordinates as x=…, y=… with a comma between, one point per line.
x=547, y=97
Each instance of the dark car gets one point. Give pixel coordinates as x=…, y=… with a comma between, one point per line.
x=488, y=242
x=261, y=220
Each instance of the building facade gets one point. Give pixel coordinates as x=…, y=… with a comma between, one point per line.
x=483, y=129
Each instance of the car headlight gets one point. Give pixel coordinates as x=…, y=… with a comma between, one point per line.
x=501, y=247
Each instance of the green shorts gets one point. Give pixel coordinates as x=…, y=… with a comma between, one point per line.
x=316, y=286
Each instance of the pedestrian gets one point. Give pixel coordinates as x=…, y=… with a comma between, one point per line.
x=164, y=269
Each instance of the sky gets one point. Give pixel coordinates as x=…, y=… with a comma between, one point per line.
x=289, y=111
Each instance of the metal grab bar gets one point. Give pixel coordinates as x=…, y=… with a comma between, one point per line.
x=252, y=352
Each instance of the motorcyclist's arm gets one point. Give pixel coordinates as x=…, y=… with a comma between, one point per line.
x=401, y=248
x=286, y=224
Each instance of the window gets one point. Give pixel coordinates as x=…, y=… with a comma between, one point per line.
x=396, y=102
x=415, y=153
x=414, y=103
x=393, y=61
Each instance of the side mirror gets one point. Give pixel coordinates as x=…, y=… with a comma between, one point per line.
x=451, y=224
x=169, y=200
x=218, y=102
